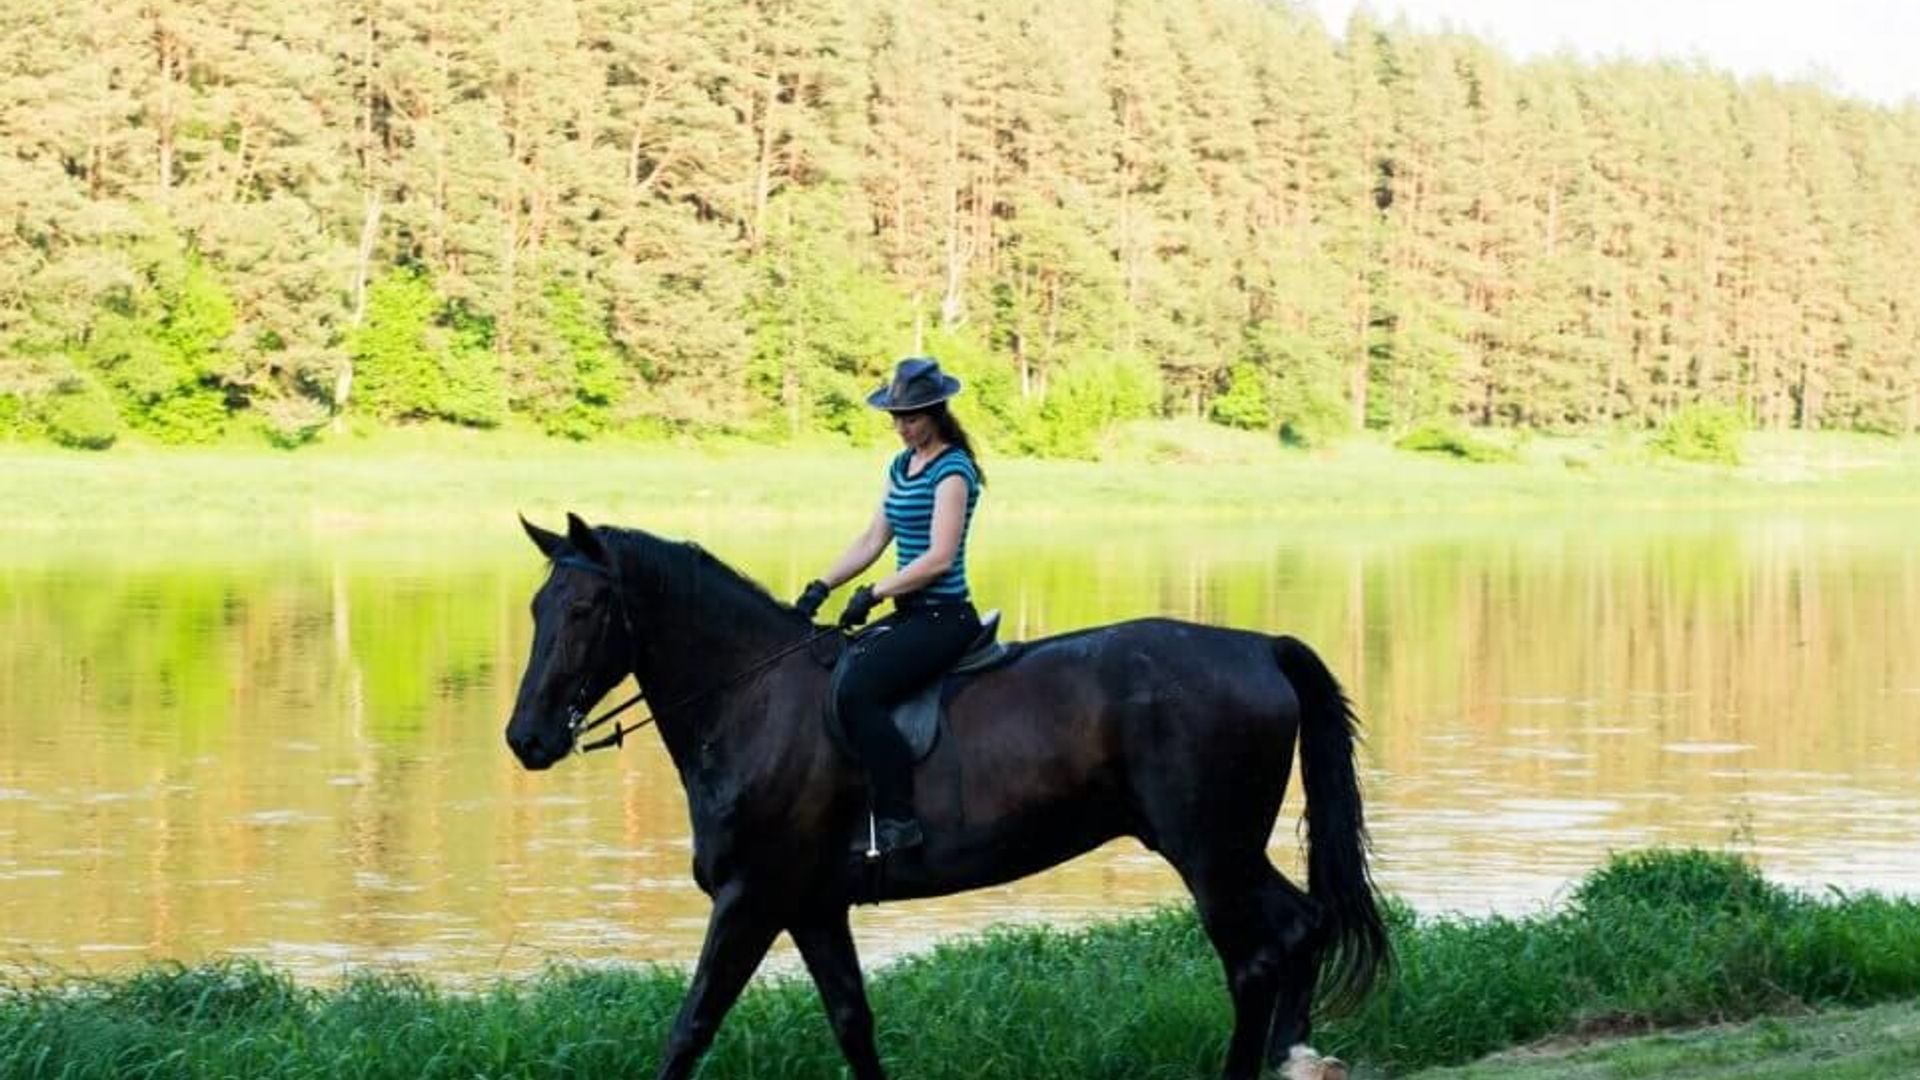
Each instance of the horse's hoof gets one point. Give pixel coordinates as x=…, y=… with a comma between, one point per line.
x=1305, y=1063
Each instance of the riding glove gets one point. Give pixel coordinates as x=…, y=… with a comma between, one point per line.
x=811, y=598
x=859, y=606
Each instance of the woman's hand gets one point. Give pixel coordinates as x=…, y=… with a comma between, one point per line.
x=859, y=606
x=811, y=598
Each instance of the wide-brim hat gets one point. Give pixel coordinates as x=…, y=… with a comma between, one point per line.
x=918, y=383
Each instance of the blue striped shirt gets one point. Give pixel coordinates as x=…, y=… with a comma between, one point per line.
x=909, y=509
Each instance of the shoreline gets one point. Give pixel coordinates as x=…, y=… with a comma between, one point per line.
x=1654, y=941
x=422, y=481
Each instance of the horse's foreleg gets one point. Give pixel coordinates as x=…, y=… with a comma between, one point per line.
x=826, y=945
x=737, y=940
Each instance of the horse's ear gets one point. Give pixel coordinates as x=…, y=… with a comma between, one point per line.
x=549, y=543
x=585, y=541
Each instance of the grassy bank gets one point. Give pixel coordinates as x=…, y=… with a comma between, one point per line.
x=445, y=478
x=1662, y=939
x=1847, y=1044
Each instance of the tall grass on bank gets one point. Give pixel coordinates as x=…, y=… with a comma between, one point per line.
x=1650, y=939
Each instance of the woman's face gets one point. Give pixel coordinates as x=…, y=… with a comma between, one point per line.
x=914, y=428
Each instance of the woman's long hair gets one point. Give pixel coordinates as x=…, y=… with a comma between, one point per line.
x=951, y=433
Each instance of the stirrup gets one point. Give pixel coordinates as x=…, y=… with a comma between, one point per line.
x=903, y=834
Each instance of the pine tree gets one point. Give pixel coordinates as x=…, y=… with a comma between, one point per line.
x=660, y=214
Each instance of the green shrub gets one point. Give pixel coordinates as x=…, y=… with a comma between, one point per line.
x=418, y=358
x=160, y=346
x=289, y=422
x=80, y=415
x=1247, y=403
x=1306, y=384
x=1699, y=881
x=1086, y=397
x=1702, y=432
x=570, y=375
x=194, y=413
x=1453, y=441
x=1318, y=427
x=16, y=419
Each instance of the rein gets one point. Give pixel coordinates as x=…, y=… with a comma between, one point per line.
x=577, y=722
x=579, y=725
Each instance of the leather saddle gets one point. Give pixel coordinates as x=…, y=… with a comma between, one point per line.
x=920, y=717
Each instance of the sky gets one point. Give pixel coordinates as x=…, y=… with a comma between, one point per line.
x=1863, y=48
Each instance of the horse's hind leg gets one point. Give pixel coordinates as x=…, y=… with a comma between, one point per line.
x=1293, y=918
x=1232, y=907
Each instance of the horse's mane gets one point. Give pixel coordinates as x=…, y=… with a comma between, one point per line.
x=658, y=566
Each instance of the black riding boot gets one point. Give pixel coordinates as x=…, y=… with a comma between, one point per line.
x=917, y=648
x=895, y=827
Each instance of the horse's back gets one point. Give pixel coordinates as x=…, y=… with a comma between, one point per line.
x=1097, y=708
x=1151, y=661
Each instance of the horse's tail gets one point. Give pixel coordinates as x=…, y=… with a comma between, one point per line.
x=1356, y=949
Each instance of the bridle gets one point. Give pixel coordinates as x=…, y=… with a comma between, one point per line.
x=577, y=723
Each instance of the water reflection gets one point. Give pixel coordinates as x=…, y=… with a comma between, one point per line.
x=300, y=757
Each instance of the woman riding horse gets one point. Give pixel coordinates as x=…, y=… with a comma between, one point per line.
x=932, y=487
x=1179, y=735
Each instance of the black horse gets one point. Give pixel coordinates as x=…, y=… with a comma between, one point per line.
x=1179, y=735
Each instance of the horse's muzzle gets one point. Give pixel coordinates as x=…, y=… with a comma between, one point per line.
x=539, y=749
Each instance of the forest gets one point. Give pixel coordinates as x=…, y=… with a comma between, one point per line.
x=670, y=217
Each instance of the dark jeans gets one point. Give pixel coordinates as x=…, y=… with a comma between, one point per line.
x=922, y=643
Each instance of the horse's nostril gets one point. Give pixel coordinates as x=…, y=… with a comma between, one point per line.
x=535, y=749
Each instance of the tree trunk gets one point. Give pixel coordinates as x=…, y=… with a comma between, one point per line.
x=1553, y=213
x=369, y=232
x=165, y=122
x=790, y=377
x=763, y=164
x=443, y=56
x=958, y=249
x=1357, y=374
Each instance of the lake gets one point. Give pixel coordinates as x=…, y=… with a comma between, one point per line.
x=230, y=745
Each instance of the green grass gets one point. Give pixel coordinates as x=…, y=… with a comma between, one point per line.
x=412, y=480
x=1653, y=940
x=1880, y=1043
x=1656, y=939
